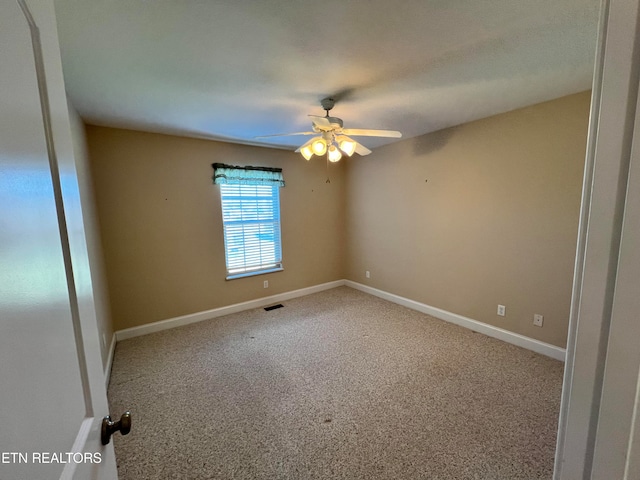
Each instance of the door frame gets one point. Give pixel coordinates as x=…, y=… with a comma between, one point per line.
x=596, y=275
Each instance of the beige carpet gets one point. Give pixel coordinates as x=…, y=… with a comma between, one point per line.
x=338, y=384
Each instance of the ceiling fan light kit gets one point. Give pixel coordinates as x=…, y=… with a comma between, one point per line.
x=347, y=145
x=319, y=146
x=334, y=154
x=306, y=152
x=333, y=139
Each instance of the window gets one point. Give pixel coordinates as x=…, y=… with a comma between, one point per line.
x=251, y=219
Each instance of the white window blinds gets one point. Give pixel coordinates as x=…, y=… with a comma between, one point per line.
x=251, y=222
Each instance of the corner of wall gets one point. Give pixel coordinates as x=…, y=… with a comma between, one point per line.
x=92, y=234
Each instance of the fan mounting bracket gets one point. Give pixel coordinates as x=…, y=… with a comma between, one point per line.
x=327, y=104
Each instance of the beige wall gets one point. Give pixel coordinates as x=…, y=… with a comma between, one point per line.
x=162, y=229
x=477, y=215
x=462, y=219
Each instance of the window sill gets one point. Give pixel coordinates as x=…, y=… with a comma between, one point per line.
x=252, y=274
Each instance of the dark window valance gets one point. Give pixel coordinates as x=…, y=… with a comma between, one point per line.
x=233, y=175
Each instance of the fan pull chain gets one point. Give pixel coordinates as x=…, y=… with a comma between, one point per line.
x=328, y=181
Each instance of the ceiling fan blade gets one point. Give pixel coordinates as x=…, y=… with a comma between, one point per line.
x=362, y=150
x=371, y=133
x=285, y=134
x=320, y=121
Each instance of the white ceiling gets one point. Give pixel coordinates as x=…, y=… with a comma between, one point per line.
x=233, y=70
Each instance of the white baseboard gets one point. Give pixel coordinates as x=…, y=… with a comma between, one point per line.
x=107, y=367
x=218, y=312
x=489, y=330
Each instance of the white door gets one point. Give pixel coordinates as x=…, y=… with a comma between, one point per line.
x=52, y=391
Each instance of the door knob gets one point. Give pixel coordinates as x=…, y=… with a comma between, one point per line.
x=109, y=427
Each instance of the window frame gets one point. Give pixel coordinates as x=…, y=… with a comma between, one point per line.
x=258, y=205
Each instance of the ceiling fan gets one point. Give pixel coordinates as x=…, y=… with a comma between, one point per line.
x=332, y=139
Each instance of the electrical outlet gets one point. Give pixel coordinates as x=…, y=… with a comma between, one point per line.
x=502, y=310
x=367, y=274
x=537, y=320
x=266, y=284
